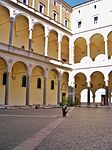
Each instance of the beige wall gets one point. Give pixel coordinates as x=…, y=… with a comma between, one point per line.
x=2, y=87
x=36, y=93
x=17, y=93
x=64, y=85
x=52, y=94
x=21, y=32
x=38, y=40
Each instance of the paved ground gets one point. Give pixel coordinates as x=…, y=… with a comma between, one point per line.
x=83, y=129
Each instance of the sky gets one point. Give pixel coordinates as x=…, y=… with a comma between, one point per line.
x=74, y=2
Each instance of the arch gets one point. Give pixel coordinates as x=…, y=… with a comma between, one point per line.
x=53, y=44
x=3, y=76
x=80, y=49
x=18, y=84
x=38, y=38
x=64, y=85
x=65, y=49
x=56, y=71
x=52, y=94
x=21, y=32
x=37, y=85
x=80, y=84
x=97, y=45
x=97, y=80
x=4, y=24
x=84, y=96
x=98, y=94
x=109, y=42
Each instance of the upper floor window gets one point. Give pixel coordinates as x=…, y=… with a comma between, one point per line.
x=54, y=2
x=25, y=1
x=79, y=24
x=66, y=23
x=55, y=16
x=41, y=8
x=95, y=19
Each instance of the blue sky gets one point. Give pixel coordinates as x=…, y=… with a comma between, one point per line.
x=74, y=2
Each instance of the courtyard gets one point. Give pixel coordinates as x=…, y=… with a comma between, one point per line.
x=47, y=129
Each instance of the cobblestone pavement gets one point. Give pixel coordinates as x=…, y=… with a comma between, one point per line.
x=83, y=129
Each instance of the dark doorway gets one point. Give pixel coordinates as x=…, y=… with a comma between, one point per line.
x=103, y=100
x=63, y=96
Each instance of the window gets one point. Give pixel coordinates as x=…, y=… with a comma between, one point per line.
x=41, y=8
x=39, y=83
x=52, y=85
x=66, y=23
x=24, y=81
x=79, y=24
x=4, y=78
x=95, y=20
x=24, y=1
x=55, y=16
x=54, y=2
x=94, y=6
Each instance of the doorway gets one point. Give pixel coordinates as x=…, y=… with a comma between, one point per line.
x=103, y=100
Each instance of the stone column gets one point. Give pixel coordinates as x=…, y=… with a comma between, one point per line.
x=61, y=13
x=30, y=39
x=28, y=77
x=33, y=3
x=94, y=98
x=109, y=99
x=11, y=30
x=71, y=93
x=88, y=49
x=7, y=90
x=44, y=94
x=106, y=48
x=107, y=95
x=48, y=10
x=46, y=45
x=107, y=92
x=88, y=96
x=59, y=50
x=58, y=94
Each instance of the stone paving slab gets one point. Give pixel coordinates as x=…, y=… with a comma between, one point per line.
x=16, y=126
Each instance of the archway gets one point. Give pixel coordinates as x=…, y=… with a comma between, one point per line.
x=100, y=96
x=64, y=86
x=3, y=78
x=52, y=87
x=84, y=96
x=4, y=25
x=80, y=49
x=65, y=49
x=37, y=85
x=109, y=44
x=38, y=40
x=18, y=84
x=21, y=33
x=53, y=45
x=80, y=84
x=97, y=45
x=97, y=82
